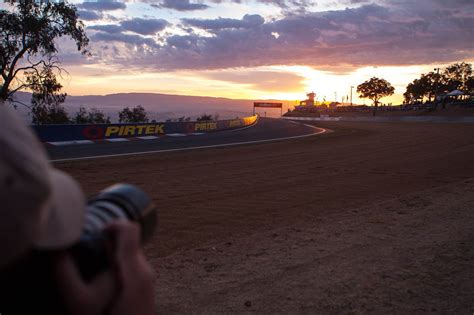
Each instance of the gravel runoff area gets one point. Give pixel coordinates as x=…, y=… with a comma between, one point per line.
x=371, y=218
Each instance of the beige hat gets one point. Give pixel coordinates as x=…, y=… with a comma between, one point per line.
x=40, y=207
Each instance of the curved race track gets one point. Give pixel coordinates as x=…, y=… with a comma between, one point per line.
x=372, y=218
x=265, y=130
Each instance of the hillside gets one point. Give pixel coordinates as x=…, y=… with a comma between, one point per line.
x=159, y=106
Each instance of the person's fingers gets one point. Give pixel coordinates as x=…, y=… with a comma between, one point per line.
x=132, y=270
x=127, y=239
x=69, y=280
x=103, y=286
x=82, y=297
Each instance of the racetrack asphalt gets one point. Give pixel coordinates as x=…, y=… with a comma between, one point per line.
x=372, y=218
x=266, y=129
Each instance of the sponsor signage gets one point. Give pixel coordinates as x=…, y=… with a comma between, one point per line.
x=205, y=126
x=267, y=105
x=71, y=132
x=235, y=123
x=137, y=130
x=93, y=132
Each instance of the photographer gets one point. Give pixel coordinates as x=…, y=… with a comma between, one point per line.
x=42, y=213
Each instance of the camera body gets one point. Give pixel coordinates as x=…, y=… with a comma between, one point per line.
x=31, y=278
x=118, y=202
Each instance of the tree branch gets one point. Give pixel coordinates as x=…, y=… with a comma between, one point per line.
x=32, y=66
x=21, y=103
x=21, y=86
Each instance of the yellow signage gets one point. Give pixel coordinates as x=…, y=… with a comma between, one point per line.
x=207, y=126
x=134, y=130
x=235, y=123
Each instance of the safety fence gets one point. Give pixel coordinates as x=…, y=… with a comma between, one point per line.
x=48, y=133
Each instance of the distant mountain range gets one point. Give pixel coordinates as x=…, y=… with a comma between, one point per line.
x=160, y=106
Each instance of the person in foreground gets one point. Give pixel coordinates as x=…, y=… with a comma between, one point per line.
x=42, y=210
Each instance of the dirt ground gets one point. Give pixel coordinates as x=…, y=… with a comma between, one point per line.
x=449, y=111
x=371, y=218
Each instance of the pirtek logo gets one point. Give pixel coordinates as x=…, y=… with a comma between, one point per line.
x=235, y=123
x=137, y=130
x=205, y=126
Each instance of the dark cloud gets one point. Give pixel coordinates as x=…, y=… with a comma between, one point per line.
x=130, y=39
x=181, y=42
x=125, y=47
x=103, y=5
x=107, y=28
x=89, y=15
x=136, y=25
x=394, y=32
x=248, y=21
x=144, y=26
x=181, y=5
x=187, y=5
x=279, y=3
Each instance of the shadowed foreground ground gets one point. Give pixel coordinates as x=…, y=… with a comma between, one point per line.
x=370, y=218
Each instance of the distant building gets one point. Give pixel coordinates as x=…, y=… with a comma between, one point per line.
x=310, y=101
x=307, y=104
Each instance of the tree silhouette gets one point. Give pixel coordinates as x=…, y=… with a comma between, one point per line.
x=136, y=114
x=204, y=117
x=46, y=102
x=414, y=93
x=457, y=76
x=92, y=116
x=375, y=89
x=28, y=32
x=426, y=86
x=470, y=85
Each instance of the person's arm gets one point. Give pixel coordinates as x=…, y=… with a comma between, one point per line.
x=126, y=288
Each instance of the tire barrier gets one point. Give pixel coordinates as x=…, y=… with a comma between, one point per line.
x=49, y=133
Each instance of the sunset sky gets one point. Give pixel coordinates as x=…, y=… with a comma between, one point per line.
x=265, y=49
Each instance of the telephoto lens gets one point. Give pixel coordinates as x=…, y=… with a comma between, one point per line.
x=118, y=202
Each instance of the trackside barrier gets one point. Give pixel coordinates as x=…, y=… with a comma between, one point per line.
x=50, y=133
x=431, y=119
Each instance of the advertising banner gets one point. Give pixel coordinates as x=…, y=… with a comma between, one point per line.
x=267, y=105
x=70, y=132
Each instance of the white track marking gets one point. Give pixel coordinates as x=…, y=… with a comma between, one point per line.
x=148, y=137
x=176, y=135
x=117, y=140
x=319, y=132
x=74, y=142
x=197, y=133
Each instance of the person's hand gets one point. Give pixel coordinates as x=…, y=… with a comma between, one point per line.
x=125, y=288
x=133, y=273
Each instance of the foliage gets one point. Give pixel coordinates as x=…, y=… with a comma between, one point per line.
x=375, y=89
x=93, y=116
x=51, y=114
x=46, y=101
x=136, y=114
x=426, y=86
x=470, y=85
x=28, y=32
x=457, y=76
x=205, y=117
